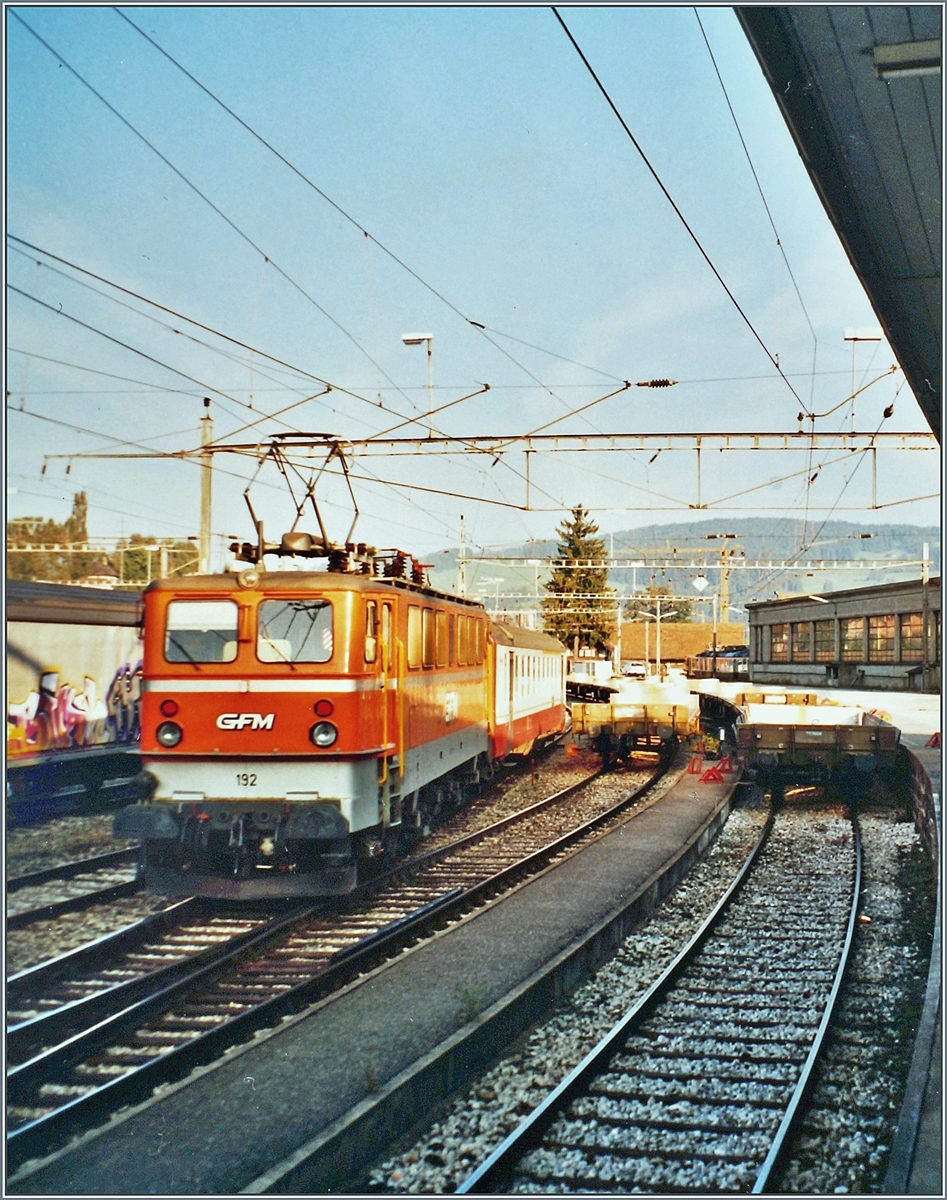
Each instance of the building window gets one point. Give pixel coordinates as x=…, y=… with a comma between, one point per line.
x=825, y=641
x=853, y=639
x=912, y=637
x=881, y=639
x=801, y=641
x=779, y=643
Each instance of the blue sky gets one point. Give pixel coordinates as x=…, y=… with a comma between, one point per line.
x=472, y=144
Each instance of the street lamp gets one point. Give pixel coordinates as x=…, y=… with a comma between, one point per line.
x=657, y=619
x=415, y=339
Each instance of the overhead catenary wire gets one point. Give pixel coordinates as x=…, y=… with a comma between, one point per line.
x=243, y=345
x=478, y=325
x=756, y=179
x=670, y=199
x=170, y=328
x=201, y=325
x=194, y=188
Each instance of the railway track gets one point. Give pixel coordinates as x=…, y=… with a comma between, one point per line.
x=701, y=1085
x=188, y=1014
x=71, y=887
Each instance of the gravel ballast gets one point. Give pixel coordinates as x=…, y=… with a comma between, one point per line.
x=843, y=1145
x=479, y=1120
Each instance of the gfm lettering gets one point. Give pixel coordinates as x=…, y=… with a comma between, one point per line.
x=244, y=720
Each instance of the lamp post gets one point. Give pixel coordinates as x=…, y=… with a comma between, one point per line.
x=415, y=339
x=855, y=336
x=657, y=619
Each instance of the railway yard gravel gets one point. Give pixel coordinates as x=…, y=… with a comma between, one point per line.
x=46, y=939
x=515, y=791
x=843, y=1146
x=478, y=1121
x=63, y=840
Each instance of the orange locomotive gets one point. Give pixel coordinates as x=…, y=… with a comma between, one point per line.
x=295, y=723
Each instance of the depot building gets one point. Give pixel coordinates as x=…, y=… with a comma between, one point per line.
x=885, y=638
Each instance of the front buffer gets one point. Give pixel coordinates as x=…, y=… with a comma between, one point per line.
x=250, y=830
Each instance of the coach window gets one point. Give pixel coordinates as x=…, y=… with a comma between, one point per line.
x=414, y=636
x=912, y=638
x=371, y=631
x=881, y=639
x=853, y=639
x=201, y=631
x=294, y=631
x=462, y=641
x=440, y=626
x=779, y=643
x=427, y=627
x=450, y=639
x=801, y=641
x=825, y=641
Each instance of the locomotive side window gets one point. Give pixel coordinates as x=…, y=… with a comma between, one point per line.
x=414, y=636
x=450, y=639
x=462, y=641
x=427, y=630
x=386, y=634
x=201, y=631
x=294, y=631
x=479, y=639
x=371, y=631
x=440, y=626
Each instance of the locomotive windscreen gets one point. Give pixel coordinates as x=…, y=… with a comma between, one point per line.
x=201, y=631
x=295, y=631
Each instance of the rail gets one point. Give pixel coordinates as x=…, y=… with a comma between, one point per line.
x=499, y=1169
x=195, y=989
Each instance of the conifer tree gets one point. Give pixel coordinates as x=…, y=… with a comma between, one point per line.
x=579, y=609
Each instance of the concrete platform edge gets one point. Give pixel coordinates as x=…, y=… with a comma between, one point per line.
x=334, y=1159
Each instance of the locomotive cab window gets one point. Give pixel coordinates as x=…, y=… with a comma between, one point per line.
x=371, y=631
x=201, y=631
x=386, y=634
x=295, y=631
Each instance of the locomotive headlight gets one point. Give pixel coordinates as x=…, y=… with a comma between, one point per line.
x=169, y=734
x=323, y=734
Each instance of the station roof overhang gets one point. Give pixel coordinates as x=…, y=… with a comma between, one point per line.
x=860, y=90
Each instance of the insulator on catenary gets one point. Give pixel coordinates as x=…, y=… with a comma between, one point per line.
x=657, y=383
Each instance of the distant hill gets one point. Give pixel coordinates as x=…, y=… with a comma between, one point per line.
x=757, y=538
